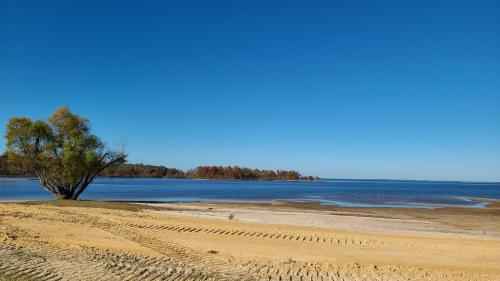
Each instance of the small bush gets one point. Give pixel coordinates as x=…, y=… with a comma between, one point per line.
x=230, y=217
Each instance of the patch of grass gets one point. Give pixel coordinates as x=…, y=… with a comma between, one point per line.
x=20, y=253
x=8, y=276
x=29, y=255
x=230, y=217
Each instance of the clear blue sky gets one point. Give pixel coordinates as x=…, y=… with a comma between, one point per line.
x=350, y=89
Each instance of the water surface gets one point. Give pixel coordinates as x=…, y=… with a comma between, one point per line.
x=349, y=193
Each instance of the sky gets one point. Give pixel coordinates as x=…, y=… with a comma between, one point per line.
x=339, y=89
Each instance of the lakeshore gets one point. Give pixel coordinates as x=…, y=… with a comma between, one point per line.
x=346, y=193
x=90, y=240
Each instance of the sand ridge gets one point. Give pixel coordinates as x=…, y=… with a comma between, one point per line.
x=47, y=242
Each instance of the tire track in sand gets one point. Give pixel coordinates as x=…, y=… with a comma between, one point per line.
x=175, y=261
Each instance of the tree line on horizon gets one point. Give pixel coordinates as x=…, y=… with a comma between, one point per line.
x=9, y=168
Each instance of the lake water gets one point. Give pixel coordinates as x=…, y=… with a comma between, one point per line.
x=350, y=193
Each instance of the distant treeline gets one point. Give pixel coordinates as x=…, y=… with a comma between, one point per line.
x=201, y=172
x=150, y=171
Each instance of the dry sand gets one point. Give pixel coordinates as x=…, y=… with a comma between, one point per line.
x=264, y=241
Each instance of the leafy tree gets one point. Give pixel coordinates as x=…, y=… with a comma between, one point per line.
x=64, y=154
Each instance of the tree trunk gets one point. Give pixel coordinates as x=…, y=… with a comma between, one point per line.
x=65, y=197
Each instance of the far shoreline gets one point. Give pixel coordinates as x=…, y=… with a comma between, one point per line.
x=299, y=180
x=221, y=179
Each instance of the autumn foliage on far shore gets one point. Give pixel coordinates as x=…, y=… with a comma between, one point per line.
x=202, y=172
x=151, y=171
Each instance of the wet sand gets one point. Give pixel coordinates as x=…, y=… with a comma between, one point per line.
x=449, y=221
x=262, y=241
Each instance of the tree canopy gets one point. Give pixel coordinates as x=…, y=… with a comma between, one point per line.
x=61, y=150
x=201, y=172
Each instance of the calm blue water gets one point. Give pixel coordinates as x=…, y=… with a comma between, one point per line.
x=353, y=193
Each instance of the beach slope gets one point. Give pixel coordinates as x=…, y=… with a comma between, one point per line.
x=197, y=241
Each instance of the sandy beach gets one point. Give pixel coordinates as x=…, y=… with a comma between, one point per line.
x=262, y=241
